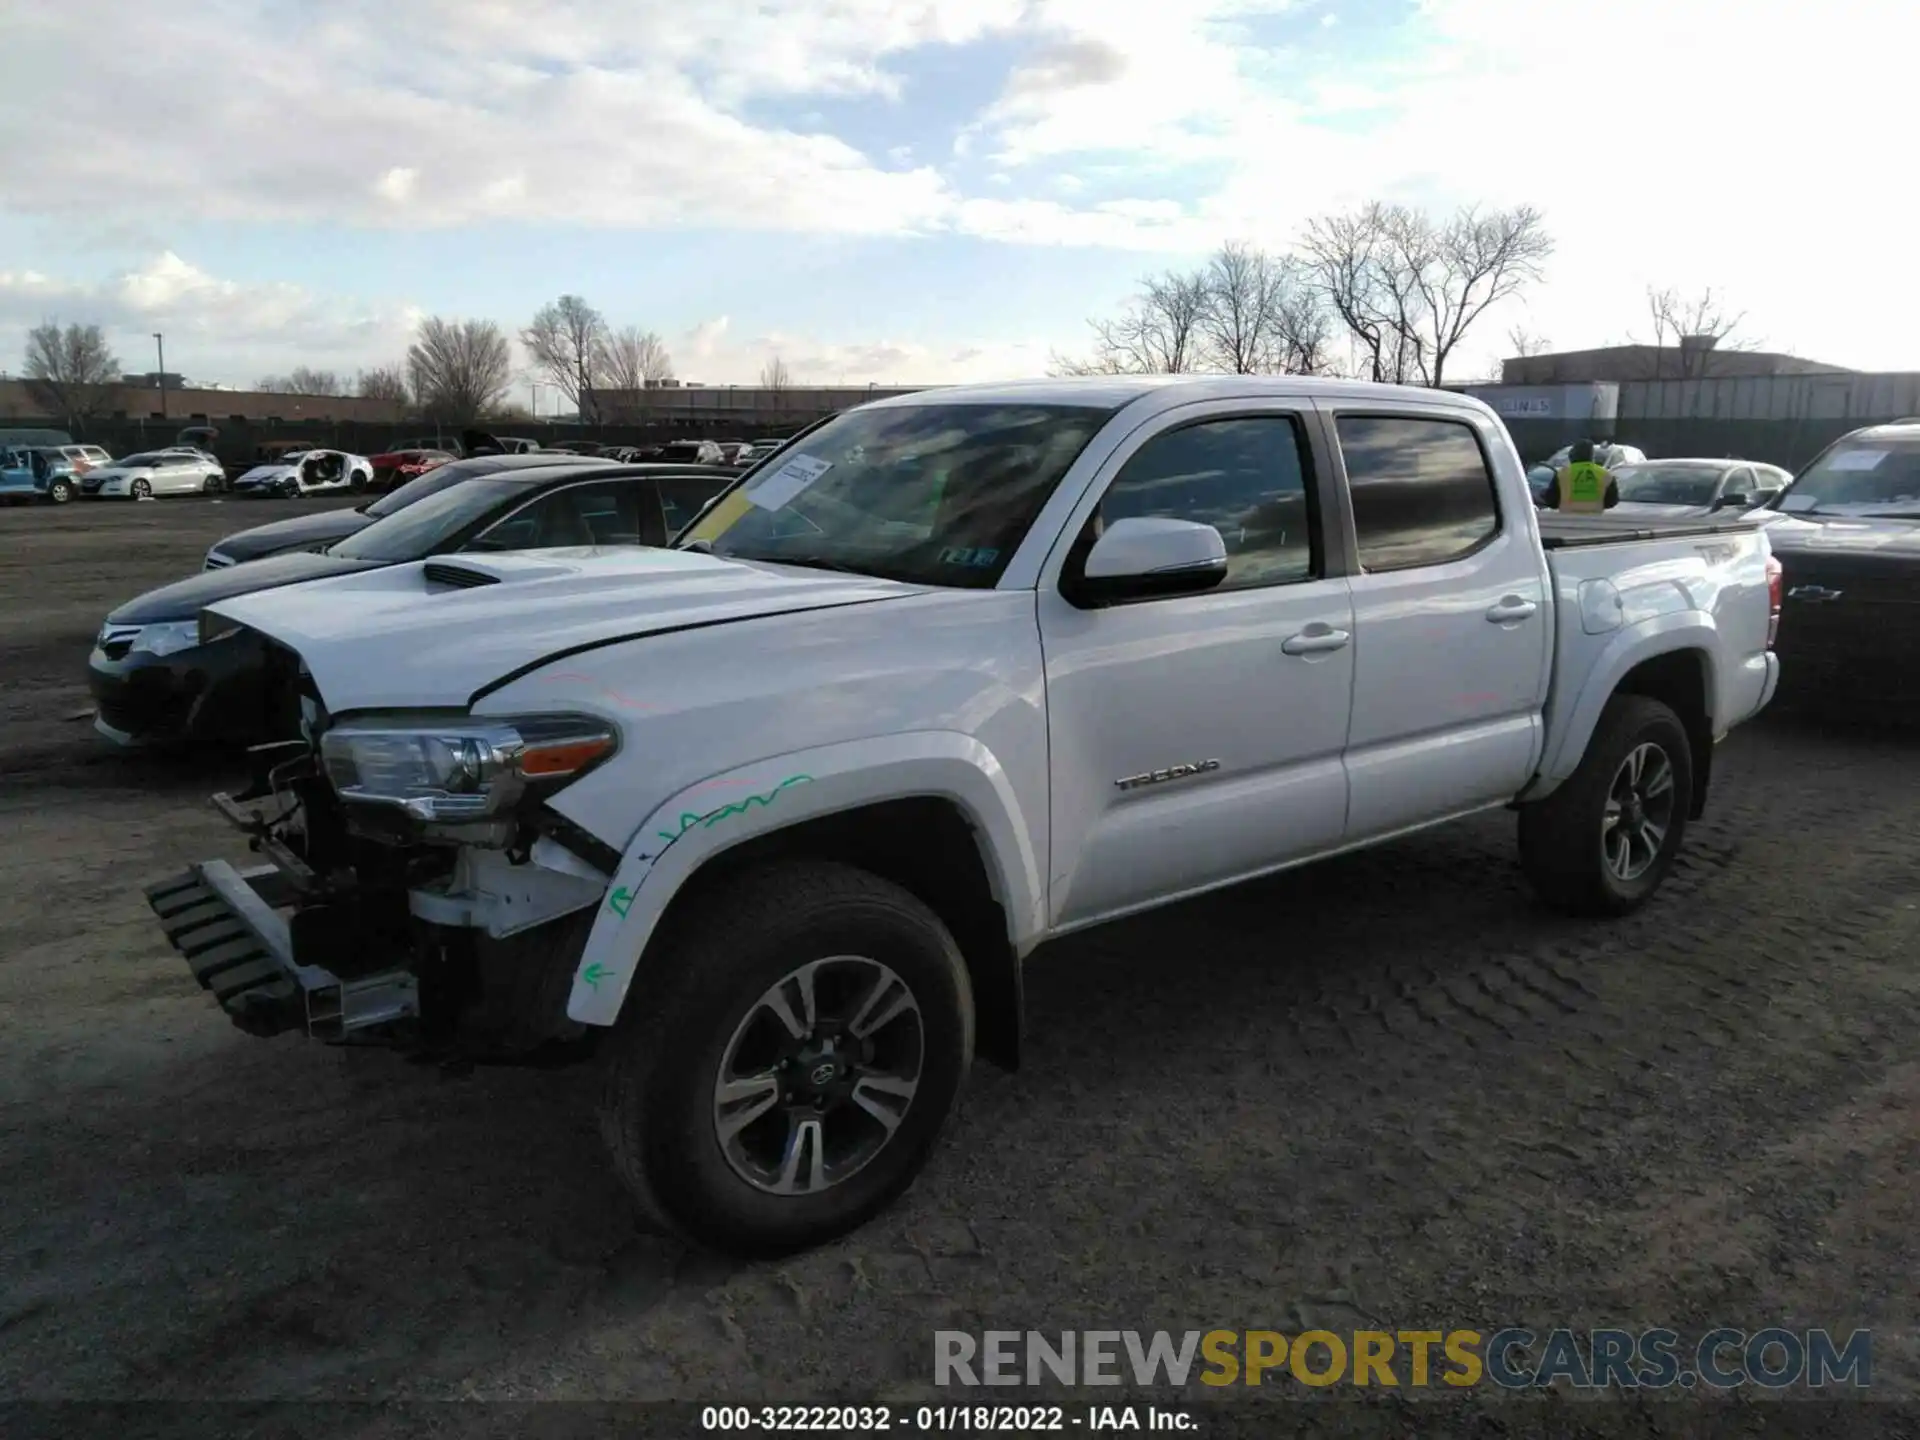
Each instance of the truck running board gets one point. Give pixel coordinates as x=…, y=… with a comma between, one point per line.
x=224, y=924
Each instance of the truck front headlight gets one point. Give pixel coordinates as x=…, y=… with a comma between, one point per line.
x=448, y=769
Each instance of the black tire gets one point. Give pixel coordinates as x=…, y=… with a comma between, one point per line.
x=141, y=490
x=209, y=485
x=704, y=980
x=60, y=491
x=290, y=489
x=1563, y=838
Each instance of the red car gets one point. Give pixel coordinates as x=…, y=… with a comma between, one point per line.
x=396, y=467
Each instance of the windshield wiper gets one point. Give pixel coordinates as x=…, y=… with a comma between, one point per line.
x=811, y=562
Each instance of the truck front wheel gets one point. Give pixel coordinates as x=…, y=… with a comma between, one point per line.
x=1602, y=843
x=790, y=1058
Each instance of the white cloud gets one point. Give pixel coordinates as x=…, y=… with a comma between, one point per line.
x=432, y=113
x=1684, y=142
x=221, y=330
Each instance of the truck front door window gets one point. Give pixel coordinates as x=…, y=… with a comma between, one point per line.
x=1451, y=668
x=1244, y=477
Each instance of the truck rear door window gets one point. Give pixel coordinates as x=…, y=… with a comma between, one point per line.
x=1422, y=491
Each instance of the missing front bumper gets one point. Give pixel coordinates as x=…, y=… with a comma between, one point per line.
x=225, y=924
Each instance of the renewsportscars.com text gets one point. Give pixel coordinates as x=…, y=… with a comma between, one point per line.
x=1511, y=1359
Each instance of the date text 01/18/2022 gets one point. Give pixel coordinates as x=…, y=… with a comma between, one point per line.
x=943, y=1419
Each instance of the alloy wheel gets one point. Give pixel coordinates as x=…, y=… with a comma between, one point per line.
x=1639, y=812
x=818, y=1076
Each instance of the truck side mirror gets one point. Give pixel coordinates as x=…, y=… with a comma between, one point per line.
x=1151, y=557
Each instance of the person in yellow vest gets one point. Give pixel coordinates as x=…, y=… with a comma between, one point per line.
x=1583, y=486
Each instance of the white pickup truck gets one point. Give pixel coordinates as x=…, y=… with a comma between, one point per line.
x=776, y=815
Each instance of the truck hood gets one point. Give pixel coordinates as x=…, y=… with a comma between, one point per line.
x=298, y=532
x=1889, y=536
x=432, y=633
x=184, y=599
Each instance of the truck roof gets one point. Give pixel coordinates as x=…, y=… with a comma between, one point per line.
x=1114, y=391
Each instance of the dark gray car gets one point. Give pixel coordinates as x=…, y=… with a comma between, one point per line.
x=316, y=532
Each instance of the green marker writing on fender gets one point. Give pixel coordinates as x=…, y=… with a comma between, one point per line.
x=620, y=901
x=594, y=974
x=739, y=807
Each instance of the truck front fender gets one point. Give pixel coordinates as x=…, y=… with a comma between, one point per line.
x=1571, y=723
x=779, y=791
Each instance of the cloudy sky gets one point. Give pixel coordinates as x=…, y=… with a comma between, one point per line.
x=922, y=190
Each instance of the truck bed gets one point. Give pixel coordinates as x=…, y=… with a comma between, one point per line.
x=1569, y=532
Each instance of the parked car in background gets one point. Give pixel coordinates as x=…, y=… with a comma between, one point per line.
x=450, y=444
x=397, y=467
x=692, y=452
x=85, y=457
x=153, y=473
x=1675, y=489
x=36, y=472
x=160, y=671
x=780, y=814
x=516, y=444
x=1849, y=537
x=194, y=450
x=316, y=530
x=307, y=472
x=759, y=451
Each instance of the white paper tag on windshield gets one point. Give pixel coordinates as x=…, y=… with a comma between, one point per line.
x=1856, y=460
x=789, y=480
x=1798, y=502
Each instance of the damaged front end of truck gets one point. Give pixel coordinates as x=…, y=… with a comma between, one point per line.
x=413, y=889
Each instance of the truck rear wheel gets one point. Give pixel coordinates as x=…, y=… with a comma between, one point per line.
x=791, y=1061
x=1602, y=843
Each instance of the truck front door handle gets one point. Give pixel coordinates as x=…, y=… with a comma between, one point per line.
x=1316, y=640
x=1510, y=609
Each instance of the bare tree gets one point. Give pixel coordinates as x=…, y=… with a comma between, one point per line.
x=71, y=373
x=384, y=382
x=1355, y=264
x=567, y=341
x=775, y=376
x=1469, y=265
x=1407, y=290
x=1247, y=312
x=1158, y=334
x=460, y=369
x=1302, y=323
x=1701, y=320
x=632, y=359
x=302, y=380
x=1524, y=343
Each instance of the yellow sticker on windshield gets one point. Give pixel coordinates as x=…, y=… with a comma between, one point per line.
x=719, y=520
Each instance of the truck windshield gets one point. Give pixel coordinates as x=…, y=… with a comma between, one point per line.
x=932, y=494
x=1863, y=477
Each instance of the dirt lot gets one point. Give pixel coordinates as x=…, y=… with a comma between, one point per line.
x=1386, y=1093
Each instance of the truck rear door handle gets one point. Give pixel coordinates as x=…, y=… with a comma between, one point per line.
x=1510, y=609
x=1316, y=640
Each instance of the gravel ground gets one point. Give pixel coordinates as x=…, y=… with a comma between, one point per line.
x=1386, y=1093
